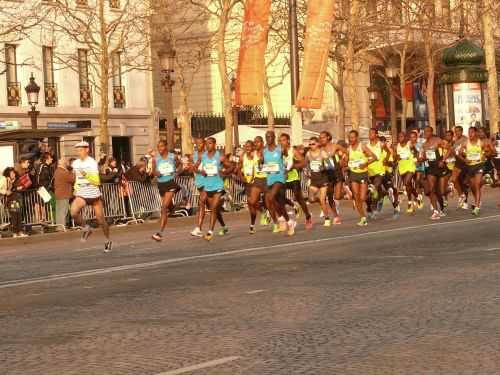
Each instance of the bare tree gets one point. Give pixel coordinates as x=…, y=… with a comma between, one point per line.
x=103, y=33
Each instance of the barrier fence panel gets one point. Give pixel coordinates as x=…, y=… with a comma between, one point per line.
x=113, y=202
x=34, y=210
x=4, y=213
x=143, y=198
x=236, y=194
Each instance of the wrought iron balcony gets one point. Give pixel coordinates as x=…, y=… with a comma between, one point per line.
x=13, y=94
x=119, y=96
x=50, y=95
x=85, y=96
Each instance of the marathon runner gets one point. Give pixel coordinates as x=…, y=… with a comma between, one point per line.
x=406, y=154
x=165, y=167
x=388, y=181
x=474, y=154
x=87, y=192
x=275, y=196
x=316, y=160
x=430, y=153
x=336, y=154
x=214, y=167
x=448, y=152
x=248, y=166
x=260, y=182
x=458, y=174
x=199, y=181
x=359, y=157
x=294, y=161
x=420, y=183
x=376, y=172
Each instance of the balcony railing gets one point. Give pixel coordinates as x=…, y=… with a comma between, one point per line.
x=82, y=3
x=119, y=96
x=85, y=96
x=50, y=95
x=13, y=94
x=114, y=4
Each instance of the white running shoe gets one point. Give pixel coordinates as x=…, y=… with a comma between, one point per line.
x=197, y=232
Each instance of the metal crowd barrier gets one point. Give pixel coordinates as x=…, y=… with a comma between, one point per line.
x=4, y=214
x=113, y=202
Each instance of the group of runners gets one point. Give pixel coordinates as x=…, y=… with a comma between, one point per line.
x=362, y=172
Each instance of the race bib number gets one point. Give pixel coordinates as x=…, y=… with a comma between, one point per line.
x=248, y=170
x=474, y=156
x=404, y=155
x=271, y=168
x=316, y=165
x=211, y=170
x=355, y=163
x=430, y=155
x=166, y=169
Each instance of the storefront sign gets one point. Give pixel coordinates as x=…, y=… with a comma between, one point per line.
x=61, y=125
x=467, y=105
x=9, y=125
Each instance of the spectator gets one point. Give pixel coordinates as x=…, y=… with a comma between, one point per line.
x=22, y=170
x=13, y=201
x=64, y=179
x=45, y=173
x=137, y=173
x=111, y=174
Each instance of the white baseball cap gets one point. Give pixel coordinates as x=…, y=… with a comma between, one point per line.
x=82, y=144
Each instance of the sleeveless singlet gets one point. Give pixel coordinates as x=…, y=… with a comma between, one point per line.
x=166, y=167
x=274, y=166
x=377, y=167
x=212, y=167
x=357, y=158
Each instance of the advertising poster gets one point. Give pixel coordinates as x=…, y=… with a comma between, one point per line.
x=467, y=105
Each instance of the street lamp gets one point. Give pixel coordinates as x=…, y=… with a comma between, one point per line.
x=391, y=72
x=32, y=91
x=236, y=133
x=167, y=63
x=372, y=95
x=391, y=67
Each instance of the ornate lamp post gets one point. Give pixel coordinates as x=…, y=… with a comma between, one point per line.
x=167, y=63
x=391, y=72
x=236, y=133
x=372, y=95
x=32, y=91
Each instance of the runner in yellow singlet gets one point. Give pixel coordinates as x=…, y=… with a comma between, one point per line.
x=473, y=154
x=359, y=156
x=248, y=166
x=406, y=154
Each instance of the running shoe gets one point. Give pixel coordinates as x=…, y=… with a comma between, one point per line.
x=197, y=232
x=380, y=205
x=291, y=228
x=282, y=224
x=309, y=223
x=337, y=220
x=372, y=215
x=328, y=222
x=252, y=230
x=87, y=232
x=108, y=246
x=476, y=211
x=410, y=209
x=445, y=203
x=435, y=215
x=276, y=228
x=442, y=213
x=209, y=236
x=420, y=202
x=223, y=231
x=157, y=237
x=362, y=222
x=487, y=179
x=465, y=206
x=264, y=219
x=395, y=215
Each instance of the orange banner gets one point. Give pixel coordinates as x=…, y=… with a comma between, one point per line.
x=320, y=15
x=251, y=64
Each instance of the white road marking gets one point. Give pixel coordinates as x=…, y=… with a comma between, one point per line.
x=255, y=291
x=293, y=246
x=215, y=362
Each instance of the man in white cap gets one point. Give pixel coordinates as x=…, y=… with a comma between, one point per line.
x=87, y=193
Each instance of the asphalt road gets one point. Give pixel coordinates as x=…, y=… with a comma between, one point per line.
x=397, y=297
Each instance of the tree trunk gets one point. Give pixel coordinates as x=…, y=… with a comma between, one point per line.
x=104, y=82
x=341, y=119
x=489, y=50
x=351, y=85
x=402, y=88
x=431, y=75
x=394, y=115
x=185, y=123
x=269, y=103
x=222, y=65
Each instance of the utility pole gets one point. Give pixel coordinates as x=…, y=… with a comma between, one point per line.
x=296, y=114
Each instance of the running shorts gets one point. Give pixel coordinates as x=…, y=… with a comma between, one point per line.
x=168, y=187
x=360, y=178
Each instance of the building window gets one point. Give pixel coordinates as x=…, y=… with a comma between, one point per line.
x=114, y=4
x=13, y=86
x=50, y=87
x=118, y=89
x=82, y=3
x=372, y=8
x=83, y=73
x=397, y=11
x=91, y=142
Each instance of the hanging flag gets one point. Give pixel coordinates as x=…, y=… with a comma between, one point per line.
x=251, y=64
x=320, y=14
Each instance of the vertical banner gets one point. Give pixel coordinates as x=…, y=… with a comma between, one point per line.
x=251, y=63
x=320, y=14
x=467, y=105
